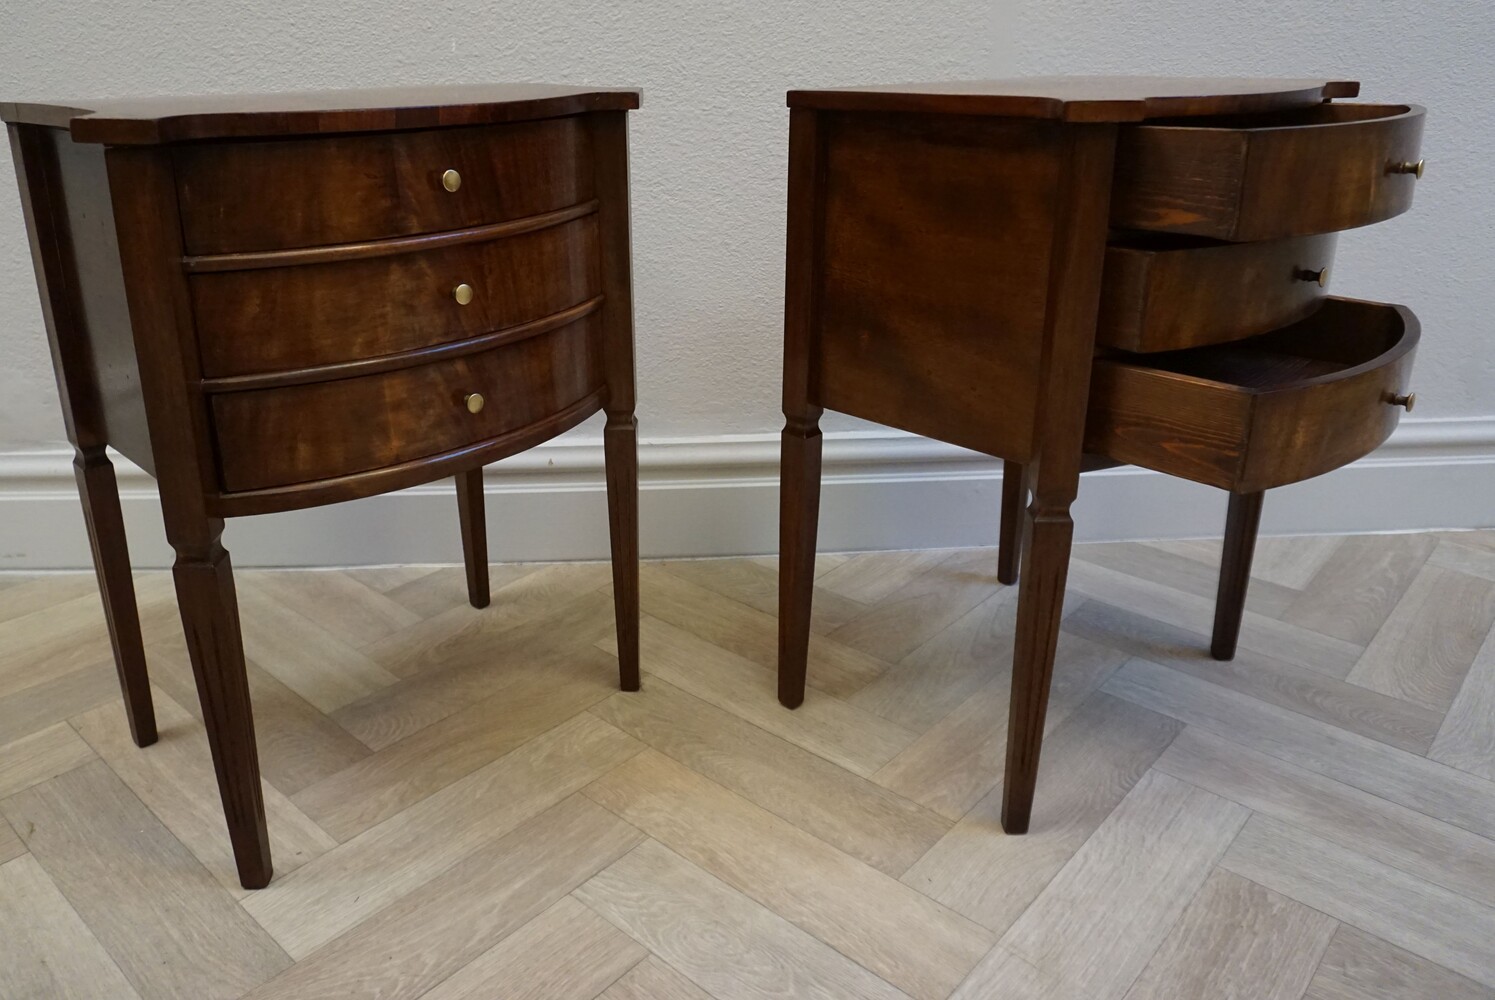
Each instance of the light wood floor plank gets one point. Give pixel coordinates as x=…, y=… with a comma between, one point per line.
x=1189, y=575
x=833, y=668
x=1467, y=737
x=651, y=979
x=1426, y=646
x=1473, y=559
x=721, y=939
x=843, y=734
x=755, y=582
x=921, y=608
x=413, y=944
x=1291, y=561
x=1099, y=921
x=476, y=664
x=322, y=899
x=167, y=923
x=10, y=844
x=353, y=612
x=386, y=578
x=174, y=777
x=44, y=754
x=1431, y=788
x=1359, y=585
x=1237, y=940
x=22, y=596
x=445, y=587
x=49, y=953
x=962, y=757
x=1287, y=685
x=850, y=812
x=1268, y=636
x=1444, y=855
x=566, y=953
x=1358, y=966
x=1434, y=923
x=524, y=703
x=869, y=577
x=1089, y=765
x=897, y=933
x=33, y=709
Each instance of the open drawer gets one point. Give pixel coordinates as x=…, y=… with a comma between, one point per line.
x=1263, y=412
x=1319, y=169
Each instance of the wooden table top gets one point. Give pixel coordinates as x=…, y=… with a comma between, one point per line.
x=154, y=120
x=1081, y=98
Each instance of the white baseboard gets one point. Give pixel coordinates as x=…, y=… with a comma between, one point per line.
x=719, y=496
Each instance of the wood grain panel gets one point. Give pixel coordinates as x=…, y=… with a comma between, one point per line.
x=50, y=954
x=278, y=437
x=347, y=189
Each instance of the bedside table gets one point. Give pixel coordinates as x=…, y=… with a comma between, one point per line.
x=277, y=302
x=1068, y=272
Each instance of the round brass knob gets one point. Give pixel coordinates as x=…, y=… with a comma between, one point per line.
x=451, y=180
x=474, y=401
x=1407, y=400
x=1408, y=167
x=462, y=293
x=1319, y=277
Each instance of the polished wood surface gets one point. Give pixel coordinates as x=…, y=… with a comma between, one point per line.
x=454, y=859
x=271, y=325
x=1137, y=276
x=281, y=319
x=1293, y=173
x=153, y=120
x=1166, y=293
x=1264, y=412
x=350, y=189
x=1079, y=98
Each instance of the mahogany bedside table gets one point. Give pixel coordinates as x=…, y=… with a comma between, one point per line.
x=1072, y=272
x=283, y=301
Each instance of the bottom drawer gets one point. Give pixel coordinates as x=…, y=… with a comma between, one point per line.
x=299, y=434
x=1262, y=412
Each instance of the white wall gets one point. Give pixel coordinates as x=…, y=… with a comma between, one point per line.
x=708, y=181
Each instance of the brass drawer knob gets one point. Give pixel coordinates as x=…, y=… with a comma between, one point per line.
x=1407, y=400
x=1408, y=167
x=474, y=401
x=462, y=293
x=451, y=180
x=1319, y=277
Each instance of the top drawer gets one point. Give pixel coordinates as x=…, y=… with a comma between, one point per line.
x=250, y=196
x=1257, y=177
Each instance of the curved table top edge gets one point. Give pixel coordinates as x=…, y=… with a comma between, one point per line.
x=155, y=121
x=1079, y=98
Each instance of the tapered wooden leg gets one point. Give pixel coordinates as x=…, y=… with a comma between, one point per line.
x=1241, y=521
x=1039, y=607
x=474, y=520
x=1014, y=522
x=799, y=517
x=620, y=448
x=210, y=617
x=111, y=562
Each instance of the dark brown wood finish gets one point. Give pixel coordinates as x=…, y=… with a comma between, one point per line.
x=473, y=519
x=270, y=325
x=1293, y=173
x=1241, y=521
x=958, y=251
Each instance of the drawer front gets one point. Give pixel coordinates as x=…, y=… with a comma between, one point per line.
x=1261, y=413
x=1164, y=295
x=300, y=434
x=253, y=196
x=284, y=318
x=1295, y=173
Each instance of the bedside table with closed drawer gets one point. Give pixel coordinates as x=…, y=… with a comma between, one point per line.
x=277, y=302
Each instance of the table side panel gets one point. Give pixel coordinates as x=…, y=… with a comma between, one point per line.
x=937, y=242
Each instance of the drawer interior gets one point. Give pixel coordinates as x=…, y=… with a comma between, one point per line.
x=1341, y=336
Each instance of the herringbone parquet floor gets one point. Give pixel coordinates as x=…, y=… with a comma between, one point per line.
x=463, y=806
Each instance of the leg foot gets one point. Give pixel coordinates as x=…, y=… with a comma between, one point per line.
x=620, y=448
x=474, y=522
x=111, y=561
x=210, y=616
x=1241, y=522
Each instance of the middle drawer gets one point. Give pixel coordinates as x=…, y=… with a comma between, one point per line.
x=284, y=318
